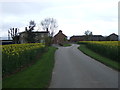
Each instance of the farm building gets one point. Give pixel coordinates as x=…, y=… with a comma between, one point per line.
x=60, y=38
x=90, y=38
x=4, y=42
x=38, y=36
x=96, y=38
x=112, y=37
x=77, y=38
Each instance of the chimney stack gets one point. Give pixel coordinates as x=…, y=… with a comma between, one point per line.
x=25, y=28
x=47, y=29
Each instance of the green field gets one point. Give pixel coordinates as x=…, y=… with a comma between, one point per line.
x=66, y=45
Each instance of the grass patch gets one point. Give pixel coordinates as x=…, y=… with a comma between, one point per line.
x=100, y=58
x=66, y=45
x=36, y=76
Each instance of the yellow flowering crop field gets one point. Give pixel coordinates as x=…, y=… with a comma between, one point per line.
x=110, y=49
x=15, y=56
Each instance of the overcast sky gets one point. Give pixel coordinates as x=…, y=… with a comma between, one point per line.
x=74, y=17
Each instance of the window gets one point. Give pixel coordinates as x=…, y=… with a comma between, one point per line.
x=42, y=35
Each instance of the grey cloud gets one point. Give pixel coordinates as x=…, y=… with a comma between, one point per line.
x=23, y=8
x=6, y=26
x=108, y=18
x=20, y=10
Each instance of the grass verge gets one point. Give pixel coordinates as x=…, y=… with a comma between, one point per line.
x=36, y=76
x=104, y=60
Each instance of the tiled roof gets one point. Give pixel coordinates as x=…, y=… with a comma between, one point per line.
x=36, y=32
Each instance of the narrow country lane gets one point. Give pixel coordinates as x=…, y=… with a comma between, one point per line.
x=73, y=69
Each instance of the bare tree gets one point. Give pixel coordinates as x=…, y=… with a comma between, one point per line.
x=88, y=34
x=30, y=35
x=13, y=33
x=32, y=24
x=49, y=24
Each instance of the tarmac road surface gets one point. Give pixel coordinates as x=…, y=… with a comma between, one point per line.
x=73, y=69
